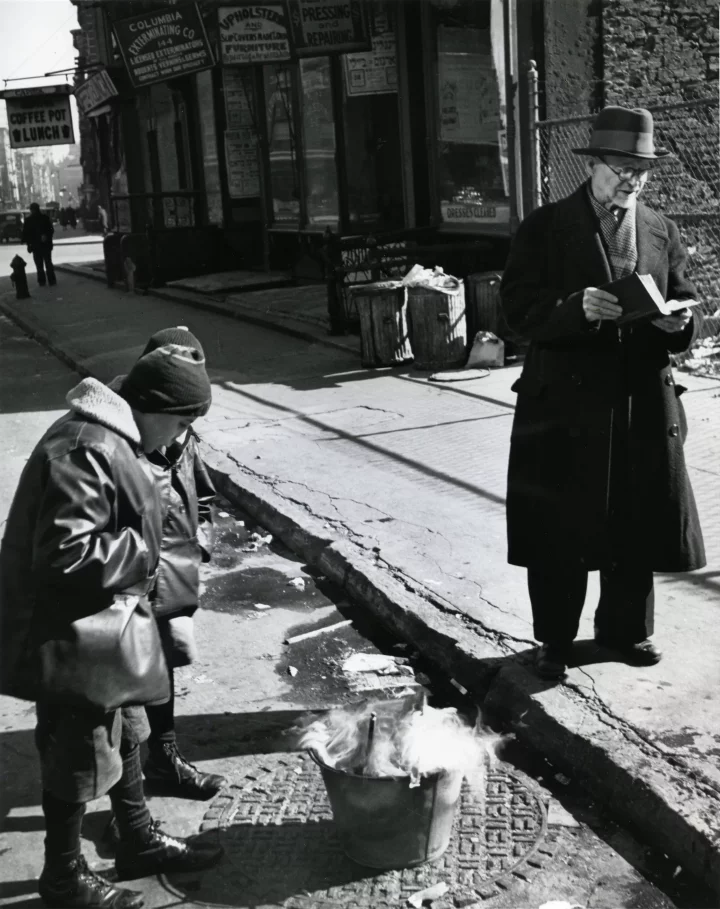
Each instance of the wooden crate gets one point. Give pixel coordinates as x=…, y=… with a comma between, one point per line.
x=437, y=327
x=384, y=335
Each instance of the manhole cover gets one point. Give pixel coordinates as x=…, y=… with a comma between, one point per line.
x=282, y=848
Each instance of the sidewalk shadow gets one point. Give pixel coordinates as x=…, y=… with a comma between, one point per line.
x=270, y=864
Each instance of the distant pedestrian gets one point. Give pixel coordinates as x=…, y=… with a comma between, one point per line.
x=597, y=478
x=83, y=537
x=37, y=234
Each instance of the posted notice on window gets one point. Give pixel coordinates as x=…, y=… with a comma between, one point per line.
x=372, y=72
x=243, y=166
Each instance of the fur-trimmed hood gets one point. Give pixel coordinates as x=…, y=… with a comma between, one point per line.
x=96, y=401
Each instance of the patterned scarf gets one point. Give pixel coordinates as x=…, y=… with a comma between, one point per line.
x=618, y=231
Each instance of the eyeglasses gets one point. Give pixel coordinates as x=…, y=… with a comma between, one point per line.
x=626, y=172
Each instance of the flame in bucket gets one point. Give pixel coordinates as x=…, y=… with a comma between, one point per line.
x=399, y=739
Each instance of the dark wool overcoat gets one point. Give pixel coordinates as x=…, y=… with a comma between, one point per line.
x=596, y=454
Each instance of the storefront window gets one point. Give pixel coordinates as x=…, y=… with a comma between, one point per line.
x=284, y=176
x=166, y=157
x=372, y=136
x=472, y=149
x=318, y=125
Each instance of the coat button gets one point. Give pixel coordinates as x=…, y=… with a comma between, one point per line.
x=674, y=430
x=576, y=380
x=669, y=379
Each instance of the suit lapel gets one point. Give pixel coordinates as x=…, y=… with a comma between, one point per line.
x=583, y=245
x=652, y=239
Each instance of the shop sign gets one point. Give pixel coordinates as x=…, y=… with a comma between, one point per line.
x=372, y=72
x=242, y=164
x=476, y=213
x=321, y=27
x=39, y=116
x=94, y=91
x=164, y=44
x=254, y=33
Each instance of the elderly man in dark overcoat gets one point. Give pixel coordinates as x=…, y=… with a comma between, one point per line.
x=597, y=478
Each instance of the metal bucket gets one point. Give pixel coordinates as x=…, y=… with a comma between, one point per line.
x=384, y=823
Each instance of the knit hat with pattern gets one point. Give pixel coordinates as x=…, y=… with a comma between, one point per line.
x=179, y=334
x=169, y=379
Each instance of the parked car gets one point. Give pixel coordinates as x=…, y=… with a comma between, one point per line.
x=11, y=225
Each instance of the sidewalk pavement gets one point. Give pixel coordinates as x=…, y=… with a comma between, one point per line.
x=394, y=487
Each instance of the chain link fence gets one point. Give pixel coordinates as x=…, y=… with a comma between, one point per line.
x=685, y=187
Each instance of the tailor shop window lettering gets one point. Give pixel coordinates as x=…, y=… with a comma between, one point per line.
x=282, y=142
x=471, y=136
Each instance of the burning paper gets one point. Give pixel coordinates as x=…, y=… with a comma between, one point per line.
x=404, y=738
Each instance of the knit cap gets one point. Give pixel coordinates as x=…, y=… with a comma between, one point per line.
x=179, y=334
x=169, y=379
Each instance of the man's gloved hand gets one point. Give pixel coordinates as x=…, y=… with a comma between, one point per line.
x=599, y=304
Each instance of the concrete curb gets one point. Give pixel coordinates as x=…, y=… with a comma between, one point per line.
x=671, y=807
x=296, y=328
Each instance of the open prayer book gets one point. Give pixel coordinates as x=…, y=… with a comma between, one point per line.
x=640, y=299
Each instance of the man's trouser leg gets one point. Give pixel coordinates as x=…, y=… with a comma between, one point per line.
x=557, y=596
x=38, y=256
x=626, y=610
x=49, y=268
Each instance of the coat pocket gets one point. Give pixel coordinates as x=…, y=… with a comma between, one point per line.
x=526, y=386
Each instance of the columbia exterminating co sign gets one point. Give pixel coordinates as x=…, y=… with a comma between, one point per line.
x=164, y=44
x=39, y=116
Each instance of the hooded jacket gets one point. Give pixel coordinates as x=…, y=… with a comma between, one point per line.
x=186, y=493
x=84, y=527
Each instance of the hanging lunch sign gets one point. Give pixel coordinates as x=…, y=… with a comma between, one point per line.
x=164, y=44
x=320, y=27
x=39, y=116
x=254, y=33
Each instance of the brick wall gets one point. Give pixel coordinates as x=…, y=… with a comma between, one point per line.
x=659, y=48
x=657, y=53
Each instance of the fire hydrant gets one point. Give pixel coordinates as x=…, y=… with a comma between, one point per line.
x=19, y=278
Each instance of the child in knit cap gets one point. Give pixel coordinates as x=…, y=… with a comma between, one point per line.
x=172, y=357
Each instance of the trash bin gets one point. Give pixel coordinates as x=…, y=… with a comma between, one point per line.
x=384, y=335
x=385, y=823
x=437, y=326
x=482, y=304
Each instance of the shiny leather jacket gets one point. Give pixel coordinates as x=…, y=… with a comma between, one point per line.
x=186, y=492
x=84, y=527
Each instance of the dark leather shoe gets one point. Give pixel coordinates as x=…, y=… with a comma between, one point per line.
x=159, y=852
x=168, y=770
x=644, y=653
x=551, y=662
x=77, y=887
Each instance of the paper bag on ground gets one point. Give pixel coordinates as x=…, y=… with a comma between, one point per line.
x=487, y=350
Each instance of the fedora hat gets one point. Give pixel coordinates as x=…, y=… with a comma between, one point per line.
x=621, y=131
